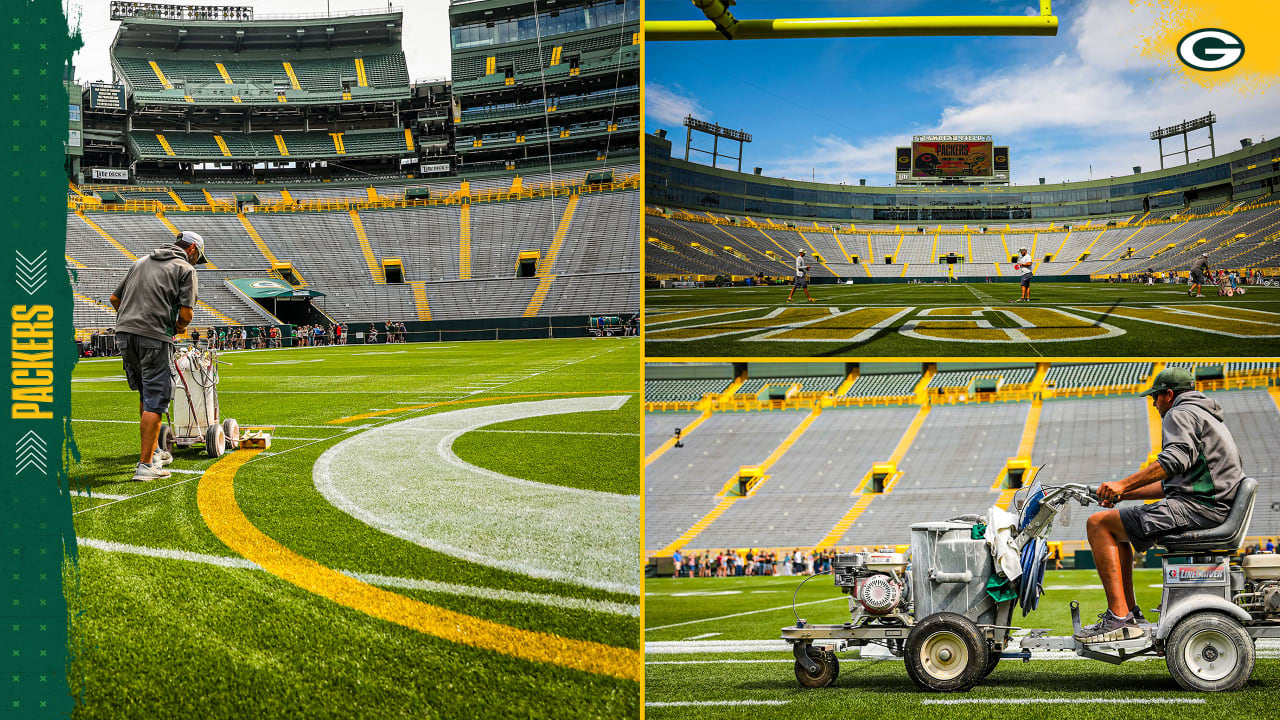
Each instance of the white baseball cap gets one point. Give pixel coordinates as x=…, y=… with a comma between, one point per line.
x=187, y=237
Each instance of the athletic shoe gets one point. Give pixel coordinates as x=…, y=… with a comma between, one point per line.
x=161, y=457
x=1138, y=618
x=790, y=300
x=812, y=300
x=149, y=471
x=1110, y=628
x=1198, y=295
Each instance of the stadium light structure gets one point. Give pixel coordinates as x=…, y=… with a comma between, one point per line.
x=1183, y=128
x=716, y=132
x=721, y=23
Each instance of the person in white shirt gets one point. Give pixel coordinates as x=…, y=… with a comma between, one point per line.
x=802, y=277
x=1024, y=264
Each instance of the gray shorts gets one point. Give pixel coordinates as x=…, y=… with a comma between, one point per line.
x=801, y=282
x=146, y=367
x=1197, y=278
x=1026, y=281
x=1146, y=523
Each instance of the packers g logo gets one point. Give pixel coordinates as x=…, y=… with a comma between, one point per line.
x=1210, y=50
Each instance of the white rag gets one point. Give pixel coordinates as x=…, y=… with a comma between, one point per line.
x=999, y=536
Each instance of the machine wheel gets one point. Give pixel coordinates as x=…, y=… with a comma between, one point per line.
x=215, y=441
x=993, y=659
x=828, y=669
x=946, y=653
x=1210, y=652
x=166, y=437
x=231, y=429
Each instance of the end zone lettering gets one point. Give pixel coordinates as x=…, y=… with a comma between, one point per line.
x=31, y=362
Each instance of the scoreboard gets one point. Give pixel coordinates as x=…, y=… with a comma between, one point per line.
x=106, y=96
x=935, y=159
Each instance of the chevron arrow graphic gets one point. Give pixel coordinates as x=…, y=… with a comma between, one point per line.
x=31, y=273
x=31, y=453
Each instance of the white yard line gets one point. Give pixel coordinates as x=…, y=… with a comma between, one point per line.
x=558, y=432
x=703, y=636
x=750, y=612
x=1067, y=700
x=718, y=662
x=99, y=496
x=527, y=598
x=715, y=703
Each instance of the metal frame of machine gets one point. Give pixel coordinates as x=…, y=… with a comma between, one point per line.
x=193, y=417
x=1210, y=611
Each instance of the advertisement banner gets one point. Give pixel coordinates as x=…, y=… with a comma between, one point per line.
x=109, y=174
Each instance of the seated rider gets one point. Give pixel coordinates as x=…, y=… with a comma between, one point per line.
x=1195, y=475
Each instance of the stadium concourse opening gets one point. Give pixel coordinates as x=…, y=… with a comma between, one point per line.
x=302, y=151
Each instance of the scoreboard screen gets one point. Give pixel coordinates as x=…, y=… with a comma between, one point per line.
x=955, y=156
x=106, y=96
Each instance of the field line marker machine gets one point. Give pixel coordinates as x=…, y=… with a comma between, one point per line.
x=194, y=415
x=948, y=610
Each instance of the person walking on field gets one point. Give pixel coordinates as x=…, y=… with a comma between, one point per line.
x=1024, y=264
x=802, y=277
x=154, y=303
x=1198, y=270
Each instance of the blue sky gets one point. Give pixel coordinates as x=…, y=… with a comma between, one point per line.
x=1073, y=106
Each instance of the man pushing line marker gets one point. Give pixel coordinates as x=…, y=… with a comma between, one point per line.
x=802, y=277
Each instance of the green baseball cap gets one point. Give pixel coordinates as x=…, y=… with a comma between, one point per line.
x=1172, y=378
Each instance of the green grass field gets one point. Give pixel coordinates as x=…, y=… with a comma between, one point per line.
x=170, y=621
x=730, y=677
x=962, y=319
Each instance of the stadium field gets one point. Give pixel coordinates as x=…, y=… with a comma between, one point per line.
x=961, y=319
x=389, y=556
x=711, y=651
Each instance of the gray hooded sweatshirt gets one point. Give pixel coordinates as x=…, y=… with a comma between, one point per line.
x=153, y=290
x=1199, y=455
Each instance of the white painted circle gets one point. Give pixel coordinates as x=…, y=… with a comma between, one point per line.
x=405, y=480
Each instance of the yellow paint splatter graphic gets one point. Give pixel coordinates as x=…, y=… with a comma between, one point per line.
x=1253, y=21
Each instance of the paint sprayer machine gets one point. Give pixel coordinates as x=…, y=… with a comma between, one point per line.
x=947, y=608
x=194, y=413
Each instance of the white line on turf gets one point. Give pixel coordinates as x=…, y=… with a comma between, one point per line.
x=750, y=612
x=714, y=703
x=1067, y=700
x=703, y=636
x=404, y=479
x=689, y=647
x=556, y=432
x=717, y=662
x=525, y=598
x=99, y=496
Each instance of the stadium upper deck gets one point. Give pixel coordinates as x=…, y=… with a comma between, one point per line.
x=1241, y=176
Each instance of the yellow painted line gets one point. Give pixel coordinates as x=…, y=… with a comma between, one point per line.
x=464, y=243
x=933, y=254
x=160, y=75
x=1005, y=244
x=293, y=79
x=998, y=271
x=1028, y=442
x=898, y=248
x=1086, y=251
x=74, y=262
x=790, y=440
x=164, y=143
x=1274, y=392
x=420, y=299
x=1006, y=497
x=222, y=70
x=361, y=76
x=216, y=498
x=695, y=529
x=1144, y=247
x=222, y=145
x=775, y=242
x=843, y=524
x=177, y=201
x=904, y=269
x=671, y=441
x=1123, y=243
x=908, y=437
x=406, y=408
x=107, y=236
x=284, y=149
x=339, y=146
x=814, y=250
x=1058, y=252
x=408, y=139
x=849, y=380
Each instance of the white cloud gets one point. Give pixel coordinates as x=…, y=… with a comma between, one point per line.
x=664, y=104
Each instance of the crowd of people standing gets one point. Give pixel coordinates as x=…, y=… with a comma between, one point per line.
x=741, y=563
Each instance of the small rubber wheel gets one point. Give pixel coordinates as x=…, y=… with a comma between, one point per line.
x=231, y=429
x=166, y=438
x=215, y=441
x=946, y=653
x=1210, y=652
x=828, y=669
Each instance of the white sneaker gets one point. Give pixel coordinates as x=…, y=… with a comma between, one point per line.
x=149, y=471
x=161, y=458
